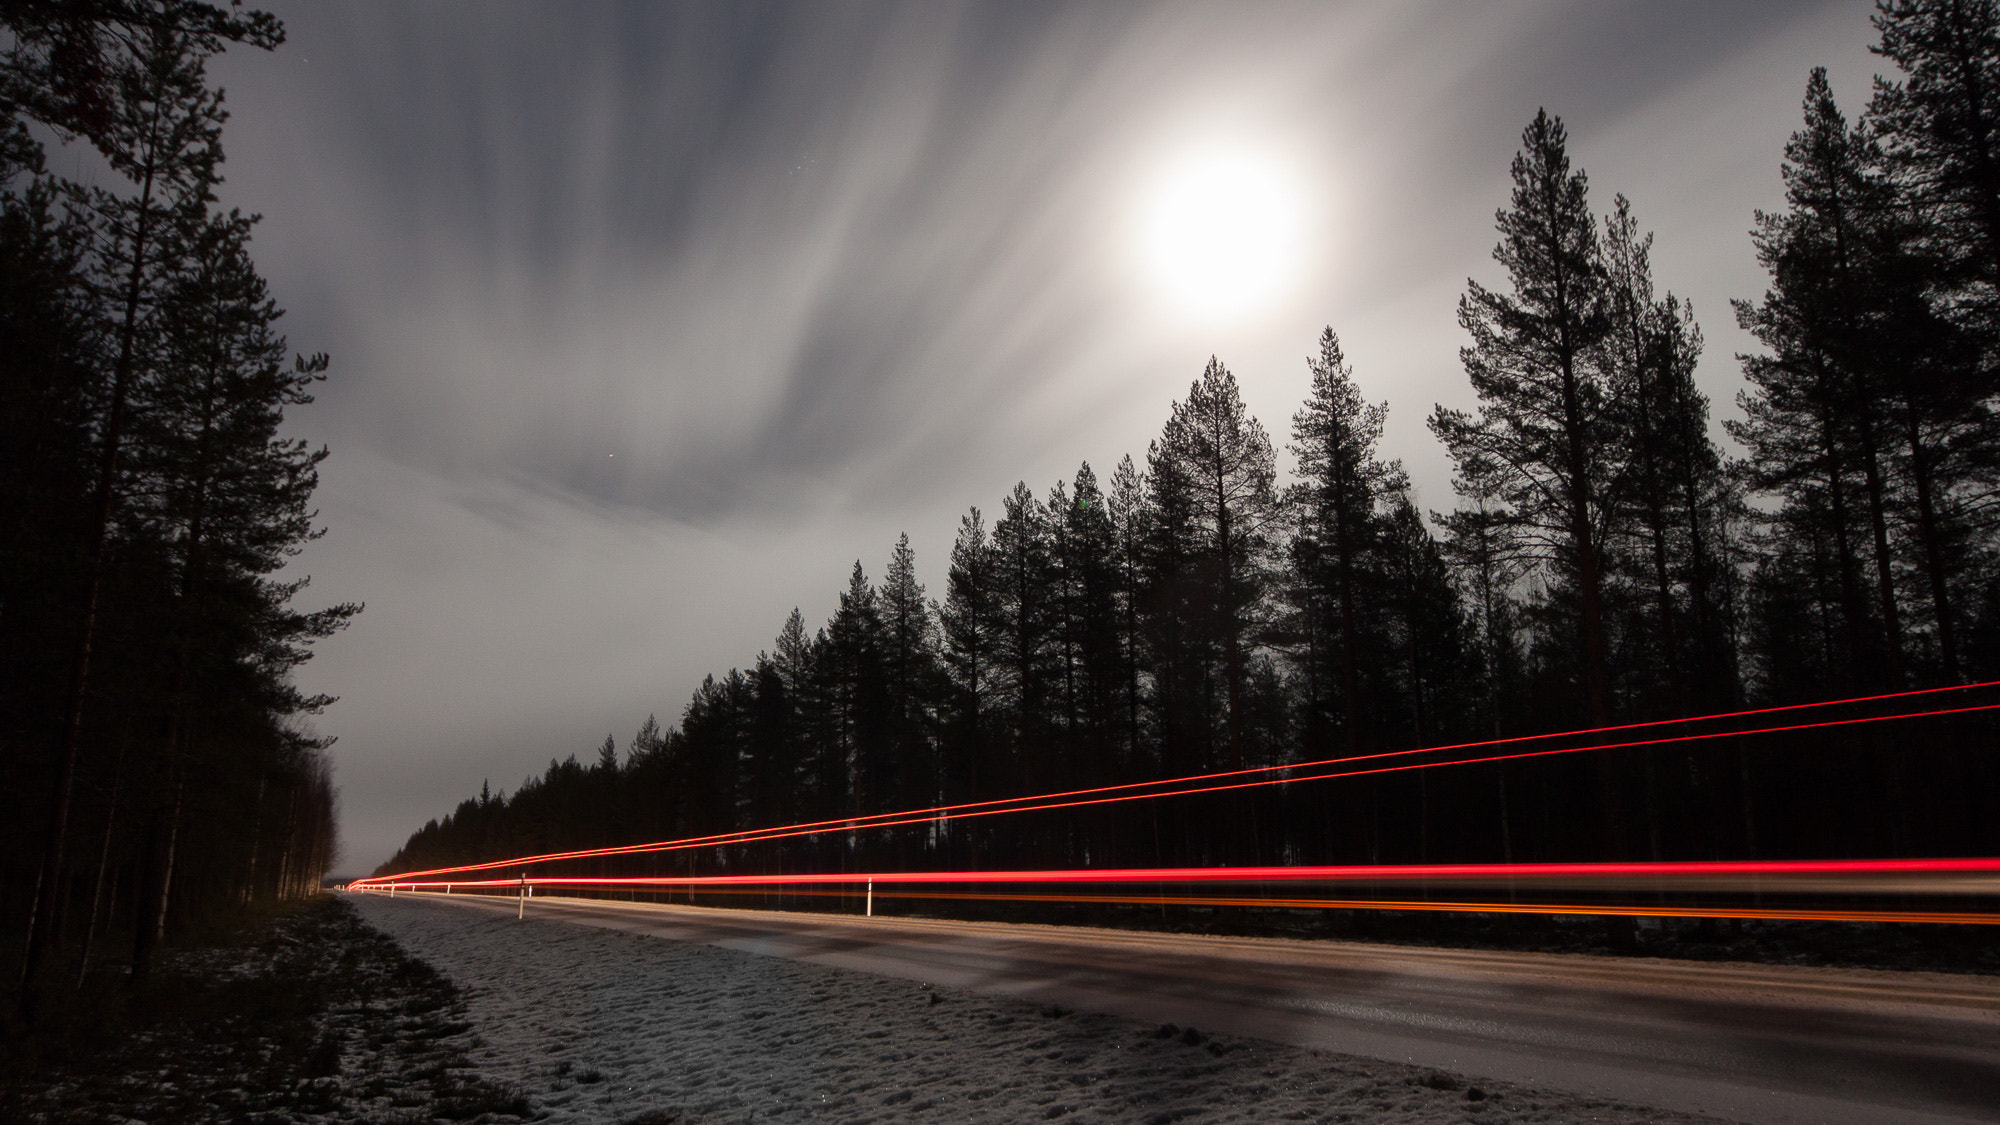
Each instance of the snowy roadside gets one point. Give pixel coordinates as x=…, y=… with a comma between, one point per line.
x=308, y=1017
x=596, y=1025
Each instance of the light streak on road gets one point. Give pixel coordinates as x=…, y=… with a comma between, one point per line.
x=1759, y=879
x=1675, y=877
x=1726, y=1040
x=1298, y=872
x=1760, y=913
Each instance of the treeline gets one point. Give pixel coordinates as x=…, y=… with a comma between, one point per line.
x=153, y=771
x=1608, y=562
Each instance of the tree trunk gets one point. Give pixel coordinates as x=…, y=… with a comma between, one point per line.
x=256, y=839
x=1885, y=573
x=153, y=920
x=1232, y=642
x=39, y=911
x=103, y=862
x=1844, y=561
x=1929, y=532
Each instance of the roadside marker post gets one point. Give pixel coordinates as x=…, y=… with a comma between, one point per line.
x=521, y=900
x=871, y=898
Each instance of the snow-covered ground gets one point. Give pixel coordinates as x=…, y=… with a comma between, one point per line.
x=602, y=1026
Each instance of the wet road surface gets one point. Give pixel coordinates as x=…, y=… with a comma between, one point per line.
x=1752, y=1043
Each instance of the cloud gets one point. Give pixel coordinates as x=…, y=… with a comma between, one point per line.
x=646, y=320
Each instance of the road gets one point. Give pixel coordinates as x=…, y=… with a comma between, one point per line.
x=1751, y=1043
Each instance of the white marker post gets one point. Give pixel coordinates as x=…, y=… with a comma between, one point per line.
x=871, y=898
x=521, y=900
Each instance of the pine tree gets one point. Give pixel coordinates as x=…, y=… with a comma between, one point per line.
x=1480, y=543
x=804, y=666
x=910, y=650
x=1221, y=459
x=1428, y=626
x=1064, y=598
x=1334, y=552
x=1543, y=438
x=1703, y=491
x=1663, y=499
x=1087, y=558
x=772, y=769
x=1481, y=548
x=646, y=742
x=130, y=78
x=969, y=624
x=160, y=132
x=1022, y=570
x=1813, y=420
x=1946, y=456
x=1941, y=125
x=707, y=755
x=231, y=498
x=49, y=382
x=1641, y=494
x=1125, y=506
x=1542, y=424
x=1428, y=646
x=859, y=685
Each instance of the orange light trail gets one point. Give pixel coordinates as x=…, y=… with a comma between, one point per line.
x=922, y=816
x=1548, y=908
x=1407, y=872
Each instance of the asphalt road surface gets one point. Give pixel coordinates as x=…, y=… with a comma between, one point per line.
x=1750, y=1043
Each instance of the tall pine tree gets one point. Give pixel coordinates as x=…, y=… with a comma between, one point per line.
x=1543, y=432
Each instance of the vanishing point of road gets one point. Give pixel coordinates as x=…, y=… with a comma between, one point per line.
x=1752, y=1043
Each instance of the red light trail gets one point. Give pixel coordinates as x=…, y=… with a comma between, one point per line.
x=1407, y=872
x=1759, y=913
x=896, y=882
x=851, y=884
x=1045, y=802
x=1424, y=905
x=913, y=816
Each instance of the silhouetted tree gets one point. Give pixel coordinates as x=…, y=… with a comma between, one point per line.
x=909, y=640
x=1336, y=550
x=146, y=650
x=1543, y=428
x=1941, y=127
x=970, y=626
x=1812, y=422
x=1221, y=460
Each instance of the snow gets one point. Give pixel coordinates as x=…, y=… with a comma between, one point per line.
x=307, y=1016
x=598, y=1025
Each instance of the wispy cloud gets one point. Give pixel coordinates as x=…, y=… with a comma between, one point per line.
x=646, y=319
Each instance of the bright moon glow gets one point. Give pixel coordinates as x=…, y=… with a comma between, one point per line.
x=1223, y=233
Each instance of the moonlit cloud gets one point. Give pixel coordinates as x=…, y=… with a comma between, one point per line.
x=648, y=320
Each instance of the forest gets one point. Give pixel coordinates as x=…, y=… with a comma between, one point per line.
x=157, y=769
x=1214, y=604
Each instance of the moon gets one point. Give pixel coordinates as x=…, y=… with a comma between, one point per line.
x=1223, y=233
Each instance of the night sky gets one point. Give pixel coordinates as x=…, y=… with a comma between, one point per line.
x=647, y=321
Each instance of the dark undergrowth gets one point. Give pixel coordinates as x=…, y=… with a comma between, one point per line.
x=305, y=1015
